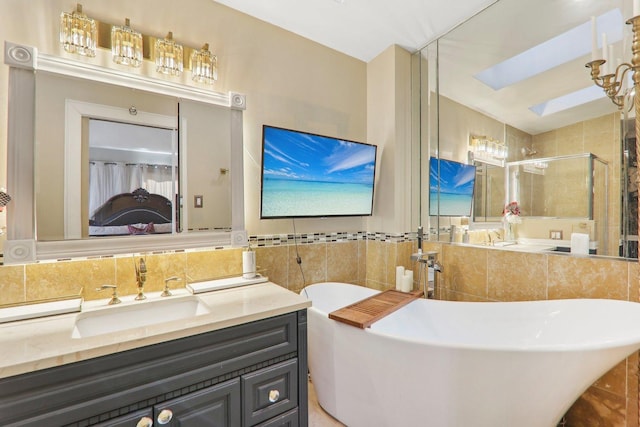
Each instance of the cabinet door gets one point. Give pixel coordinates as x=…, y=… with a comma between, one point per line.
x=288, y=419
x=269, y=392
x=216, y=406
x=141, y=418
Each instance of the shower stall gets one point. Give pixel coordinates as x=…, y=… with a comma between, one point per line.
x=572, y=186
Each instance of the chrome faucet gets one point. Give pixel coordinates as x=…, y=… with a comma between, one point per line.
x=141, y=277
x=167, y=292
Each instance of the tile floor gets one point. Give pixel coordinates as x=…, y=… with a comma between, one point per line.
x=317, y=416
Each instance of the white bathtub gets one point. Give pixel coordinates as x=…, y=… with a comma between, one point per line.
x=442, y=363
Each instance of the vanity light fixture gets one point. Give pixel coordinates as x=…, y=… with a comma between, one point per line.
x=204, y=65
x=537, y=168
x=126, y=45
x=487, y=150
x=169, y=56
x=78, y=32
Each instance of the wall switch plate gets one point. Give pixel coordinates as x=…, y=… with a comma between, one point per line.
x=555, y=234
x=197, y=201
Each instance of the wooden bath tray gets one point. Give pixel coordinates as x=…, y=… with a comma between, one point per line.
x=363, y=313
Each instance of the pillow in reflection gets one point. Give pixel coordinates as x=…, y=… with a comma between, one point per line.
x=141, y=230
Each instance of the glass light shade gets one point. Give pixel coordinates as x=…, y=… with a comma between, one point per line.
x=204, y=65
x=78, y=32
x=169, y=56
x=126, y=45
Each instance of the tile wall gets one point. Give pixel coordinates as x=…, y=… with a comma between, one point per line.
x=469, y=274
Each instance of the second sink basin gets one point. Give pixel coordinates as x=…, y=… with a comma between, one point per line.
x=137, y=314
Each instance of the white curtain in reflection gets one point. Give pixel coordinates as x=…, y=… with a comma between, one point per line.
x=107, y=179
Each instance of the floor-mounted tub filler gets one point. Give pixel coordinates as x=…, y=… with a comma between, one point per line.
x=458, y=364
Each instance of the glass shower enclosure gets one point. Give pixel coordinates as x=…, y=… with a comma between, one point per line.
x=571, y=186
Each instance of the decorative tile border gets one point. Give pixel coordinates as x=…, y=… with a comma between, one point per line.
x=342, y=236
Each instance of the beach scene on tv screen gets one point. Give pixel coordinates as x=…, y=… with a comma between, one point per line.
x=311, y=175
x=451, y=188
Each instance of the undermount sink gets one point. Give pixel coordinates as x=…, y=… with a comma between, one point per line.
x=132, y=315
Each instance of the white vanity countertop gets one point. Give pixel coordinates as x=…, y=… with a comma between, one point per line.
x=47, y=342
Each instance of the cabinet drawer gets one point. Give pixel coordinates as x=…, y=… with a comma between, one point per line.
x=129, y=420
x=269, y=392
x=289, y=419
x=216, y=406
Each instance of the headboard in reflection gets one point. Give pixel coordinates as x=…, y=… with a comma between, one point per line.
x=199, y=187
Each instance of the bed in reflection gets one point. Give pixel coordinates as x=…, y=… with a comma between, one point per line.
x=138, y=212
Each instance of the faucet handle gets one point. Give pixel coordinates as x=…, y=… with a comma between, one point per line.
x=114, y=297
x=166, y=292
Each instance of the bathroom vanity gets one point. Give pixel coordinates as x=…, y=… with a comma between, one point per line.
x=242, y=364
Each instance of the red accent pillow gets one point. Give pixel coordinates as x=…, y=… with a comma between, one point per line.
x=141, y=230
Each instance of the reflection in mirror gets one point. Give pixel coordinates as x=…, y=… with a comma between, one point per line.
x=205, y=144
x=95, y=130
x=489, y=193
x=132, y=178
x=561, y=190
x=519, y=110
x=64, y=106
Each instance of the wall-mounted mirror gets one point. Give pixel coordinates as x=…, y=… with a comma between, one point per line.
x=119, y=155
x=518, y=90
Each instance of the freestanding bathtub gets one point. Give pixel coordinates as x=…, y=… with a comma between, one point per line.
x=458, y=364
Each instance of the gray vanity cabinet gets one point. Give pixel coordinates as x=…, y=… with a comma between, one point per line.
x=246, y=375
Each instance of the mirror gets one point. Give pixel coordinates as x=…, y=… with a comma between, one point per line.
x=477, y=93
x=177, y=149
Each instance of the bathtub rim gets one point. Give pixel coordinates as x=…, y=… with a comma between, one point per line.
x=507, y=347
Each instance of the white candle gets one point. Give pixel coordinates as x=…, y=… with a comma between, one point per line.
x=612, y=64
x=605, y=53
x=594, y=39
x=636, y=8
x=407, y=281
x=248, y=264
x=399, y=278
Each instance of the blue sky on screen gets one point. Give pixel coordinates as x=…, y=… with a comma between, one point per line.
x=300, y=156
x=455, y=178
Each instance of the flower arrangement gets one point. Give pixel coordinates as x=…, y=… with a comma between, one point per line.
x=511, y=213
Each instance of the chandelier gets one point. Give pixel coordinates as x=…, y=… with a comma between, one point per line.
x=605, y=74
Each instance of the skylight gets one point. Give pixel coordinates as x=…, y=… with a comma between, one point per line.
x=567, y=101
x=553, y=52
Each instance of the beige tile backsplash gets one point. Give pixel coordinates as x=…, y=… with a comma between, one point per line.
x=469, y=274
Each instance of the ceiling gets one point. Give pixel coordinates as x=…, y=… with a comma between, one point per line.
x=364, y=28
x=500, y=33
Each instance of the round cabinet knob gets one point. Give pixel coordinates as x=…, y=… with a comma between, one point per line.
x=165, y=416
x=145, y=422
x=274, y=395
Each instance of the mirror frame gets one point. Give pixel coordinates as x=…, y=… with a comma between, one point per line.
x=21, y=245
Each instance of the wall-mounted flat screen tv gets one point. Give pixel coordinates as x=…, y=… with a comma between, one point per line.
x=450, y=187
x=309, y=175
